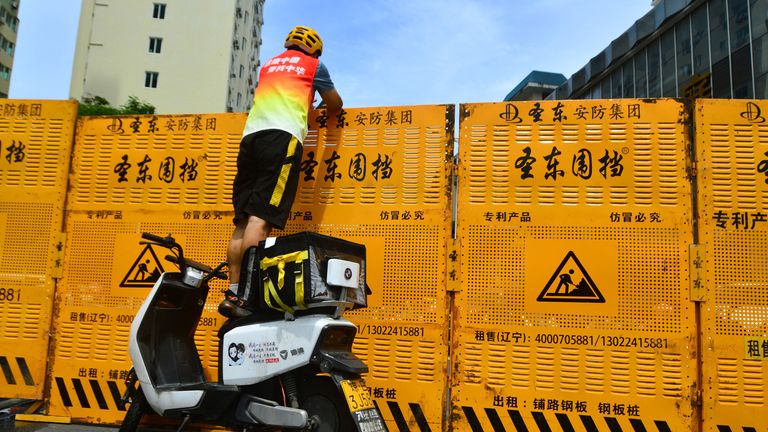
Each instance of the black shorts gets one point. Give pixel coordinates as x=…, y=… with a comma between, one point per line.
x=267, y=176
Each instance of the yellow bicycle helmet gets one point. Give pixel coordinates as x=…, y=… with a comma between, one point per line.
x=305, y=39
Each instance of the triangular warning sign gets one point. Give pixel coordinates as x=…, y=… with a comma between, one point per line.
x=145, y=271
x=571, y=284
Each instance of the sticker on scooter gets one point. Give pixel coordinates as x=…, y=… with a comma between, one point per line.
x=145, y=271
x=236, y=353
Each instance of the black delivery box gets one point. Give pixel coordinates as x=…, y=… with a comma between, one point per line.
x=302, y=271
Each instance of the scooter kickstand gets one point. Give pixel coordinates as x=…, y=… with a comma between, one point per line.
x=183, y=423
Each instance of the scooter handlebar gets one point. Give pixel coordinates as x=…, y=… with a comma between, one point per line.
x=211, y=272
x=166, y=241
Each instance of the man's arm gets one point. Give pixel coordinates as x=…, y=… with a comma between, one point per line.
x=332, y=102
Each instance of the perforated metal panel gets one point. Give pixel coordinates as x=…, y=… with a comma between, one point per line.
x=574, y=225
x=732, y=160
x=393, y=195
x=35, y=143
x=159, y=174
x=381, y=180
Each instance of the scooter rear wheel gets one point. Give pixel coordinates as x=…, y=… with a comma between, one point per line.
x=320, y=397
x=135, y=412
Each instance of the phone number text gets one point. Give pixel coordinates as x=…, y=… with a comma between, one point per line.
x=387, y=330
x=606, y=341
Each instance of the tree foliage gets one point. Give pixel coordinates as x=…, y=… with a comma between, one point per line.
x=97, y=105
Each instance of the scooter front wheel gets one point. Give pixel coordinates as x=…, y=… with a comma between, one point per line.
x=136, y=411
x=321, y=399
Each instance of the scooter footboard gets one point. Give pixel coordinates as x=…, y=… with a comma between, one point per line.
x=363, y=408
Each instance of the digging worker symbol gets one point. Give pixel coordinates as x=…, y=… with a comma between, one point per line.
x=565, y=282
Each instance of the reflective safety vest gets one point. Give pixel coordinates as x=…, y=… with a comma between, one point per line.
x=284, y=94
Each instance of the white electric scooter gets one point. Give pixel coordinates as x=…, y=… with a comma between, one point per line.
x=287, y=372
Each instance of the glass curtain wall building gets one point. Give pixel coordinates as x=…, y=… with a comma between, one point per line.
x=682, y=48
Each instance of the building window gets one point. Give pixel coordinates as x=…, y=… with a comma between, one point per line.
x=654, y=70
x=718, y=30
x=760, y=52
x=155, y=45
x=641, y=83
x=5, y=72
x=668, y=68
x=738, y=23
x=9, y=19
x=616, y=84
x=6, y=45
x=700, y=40
x=761, y=87
x=759, y=14
x=605, y=88
x=741, y=73
x=721, y=79
x=684, y=57
x=150, y=79
x=159, y=11
x=628, y=84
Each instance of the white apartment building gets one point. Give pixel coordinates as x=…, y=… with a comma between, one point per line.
x=182, y=56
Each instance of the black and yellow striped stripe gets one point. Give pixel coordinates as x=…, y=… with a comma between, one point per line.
x=565, y=422
x=24, y=375
x=277, y=193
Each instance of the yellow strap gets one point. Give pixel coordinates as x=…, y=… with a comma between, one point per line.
x=280, y=261
x=271, y=291
x=299, y=278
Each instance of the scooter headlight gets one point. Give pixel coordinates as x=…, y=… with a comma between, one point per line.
x=337, y=338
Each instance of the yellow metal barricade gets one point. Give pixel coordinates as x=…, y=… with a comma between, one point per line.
x=160, y=174
x=35, y=143
x=376, y=175
x=573, y=310
x=732, y=162
x=383, y=180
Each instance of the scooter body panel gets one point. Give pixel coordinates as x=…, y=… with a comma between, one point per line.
x=159, y=400
x=253, y=353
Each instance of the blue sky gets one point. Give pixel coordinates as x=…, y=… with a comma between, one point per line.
x=381, y=52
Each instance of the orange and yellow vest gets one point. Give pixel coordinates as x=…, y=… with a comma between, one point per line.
x=284, y=95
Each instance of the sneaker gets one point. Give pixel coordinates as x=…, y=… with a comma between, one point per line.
x=231, y=309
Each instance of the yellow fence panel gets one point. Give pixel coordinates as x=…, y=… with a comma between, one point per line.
x=732, y=161
x=161, y=174
x=573, y=310
x=376, y=175
x=35, y=142
x=391, y=192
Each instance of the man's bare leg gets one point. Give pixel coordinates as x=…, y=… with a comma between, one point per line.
x=233, y=252
x=246, y=234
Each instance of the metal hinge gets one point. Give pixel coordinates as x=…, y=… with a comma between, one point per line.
x=697, y=272
x=693, y=170
x=57, y=266
x=453, y=266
